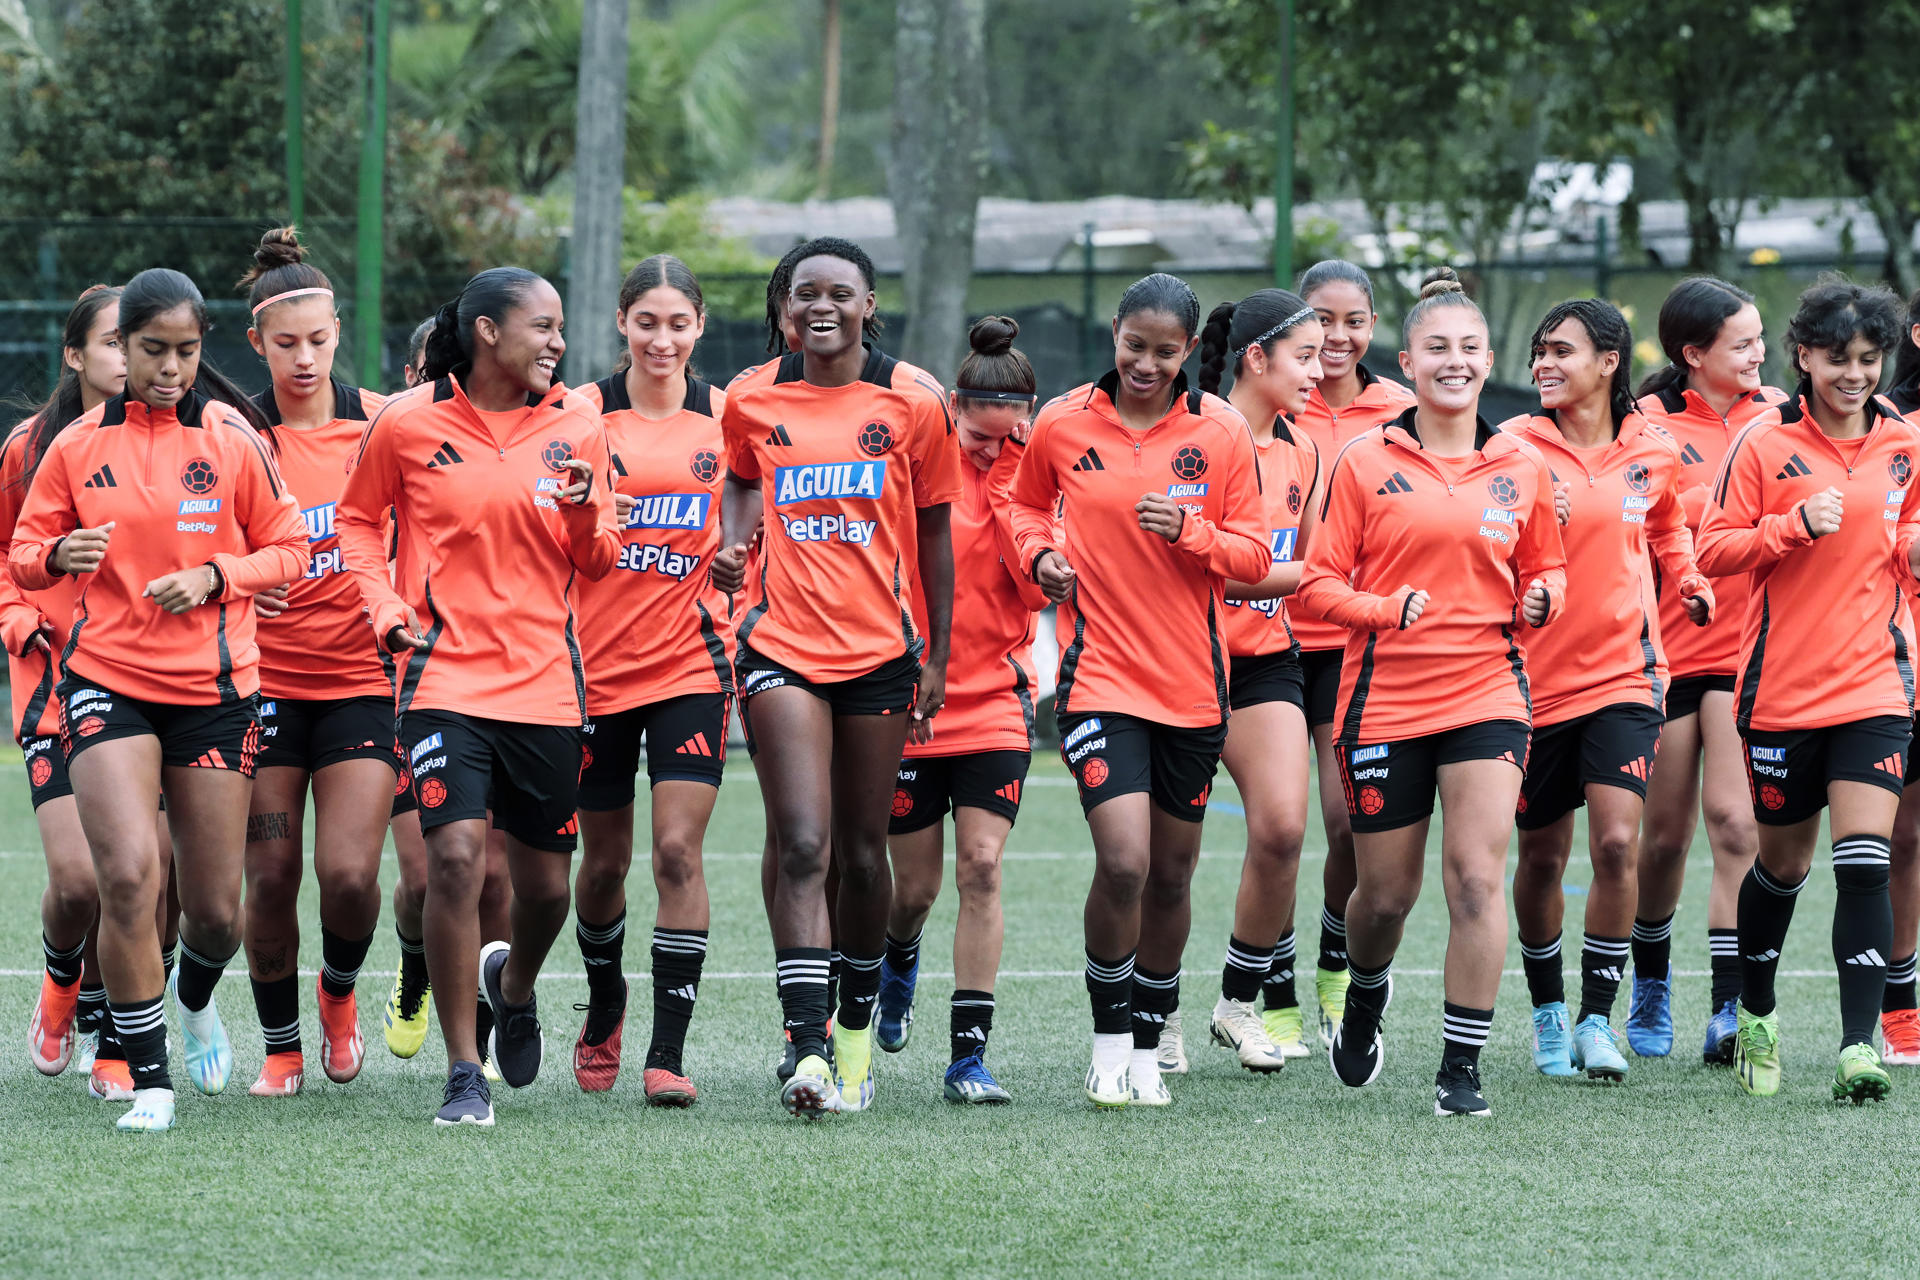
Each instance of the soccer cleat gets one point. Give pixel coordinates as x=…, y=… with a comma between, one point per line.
x=280, y=1075
x=789, y=1058
x=1107, y=1088
x=1237, y=1026
x=1552, y=1040
x=1287, y=1028
x=893, y=1013
x=1330, y=993
x=596, y=1054
x=342, y=1048
x=406, y=1021
x=1171, y=1056
x=467, y=1099
x=1456, y=1090
x=152, y=1112
x=969, y=1081
x=666, y=1088
x=1146, y=1087
x=50, y=1034
x=1596, y=1050
x=1756, y=1053
x=111, y=1080
x=1650, y=1015
x=1361, y=1064
x=853, y=1067
x=1900, y=1038
x=1722, y=1027
x=86, y=1047
x=515, y=1047
x=810, y=1092
x=203, y=1042
x=1860, y=1078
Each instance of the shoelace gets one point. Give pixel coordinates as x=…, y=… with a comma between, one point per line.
x=1761, y=1038
x=601, y=1020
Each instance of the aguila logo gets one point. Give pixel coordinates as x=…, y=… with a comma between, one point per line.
x=705, y=464
x=1190, y=462
x=199, y=476
x=875, y=439
x=1638, y=478
x=1504, y=491
x=556, y=453
x=1900, y=467
x=1293, y=499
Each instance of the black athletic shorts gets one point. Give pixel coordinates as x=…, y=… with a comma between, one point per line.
x=1612, y=747
x=1268, y=677
x=312, y=733
x=224, y=735
x=403, y=797
x=1684, y=693
x=1320, y=669
x=1390, y=785
x=1117, y=755
x=886, y=690
x=529, y=774
x=686, y=741
x=927, y=786
x=1788, y=769
x=46, y=769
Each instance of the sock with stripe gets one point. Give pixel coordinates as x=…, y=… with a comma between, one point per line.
x=63, y=966
x=198, y=976
x=1862, y=933
x=802, y=974
x=1463, y=1032
x=1155, y=995
x=602, y=947
x=678, y=955
x=1766, y=910
x=277, y=1001
x=1603, y=962
x=340, y=961
x=110, y=1050
x=1652, y=947
x=413, y=966
x=168, y=956
x=904, y=957
x=1367, y=993
x=1246, y=969
x=1900, y=986
x=1276, y=989
x=92, y=1014
x=1541, y=963
x=1723, y=953
x=969, y=1023
x=1333, y=940
x=859, y=989
x=142, y=1030
x=836, y=966
x=1110, y=990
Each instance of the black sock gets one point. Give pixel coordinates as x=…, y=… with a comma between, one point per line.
x=1110, y=989
x=413, y=969
x=836, y=969
x=1463, y=1032
x=1541, y=963
x=859, y=989
x=92, y=1015
x=1247, y=967
x=198, y=977
x=1862, y=933
x=340, y=961
x=110, y=1050
x=602, y=946
x=482, y=1028
x=1723, y=953
x=904, y=957
x=1367, y=993
x=1766, y=910
x=1900, y=986
x=970, y=1023
x=1653, y=947
x=678, y=955
x=802, y=973
x=167, y=958
x=142, y=1029
x=63, y=966
x=1333, y=939
x=1277, y=987
x=278, y=1004
x=1603, y=962
x=1155, y=995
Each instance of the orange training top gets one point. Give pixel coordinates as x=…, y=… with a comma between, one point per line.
x=36, y=712
x=184, y=486
x=487, y=552
x=1289, y=466
x=842, y=471
x=1147, y=616
x=1473, y=532
x=1823, y=643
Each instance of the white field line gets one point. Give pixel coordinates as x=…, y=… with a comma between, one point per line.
x=766, y=975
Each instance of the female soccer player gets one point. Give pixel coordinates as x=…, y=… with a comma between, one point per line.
x=500, y=484
x=654, y=646
x=326, y=711
x=1709, y=391
x=1346, y=401
x=1597, y=676
x=1160, y=489
x=1816, y=501
x=854, y=459
x=1437, y=544
x=70, y=1014
x=976, y=764
x=414, y=371
x=1899, y=1018
x=1274, y=340
x=170, y=505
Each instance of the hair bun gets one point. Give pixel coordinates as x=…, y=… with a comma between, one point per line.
x=280, y=247
x=993, y=335
x=1441, y=280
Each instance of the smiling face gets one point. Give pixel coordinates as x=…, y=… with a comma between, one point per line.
x=661, y=328
x=1348, y=317
x=1448, y=358
x=163, y=358
x=1731, y=365
x=1288, y=376
x=1569, y=369
x=101, y=364
x=829, y=305
x=298, y=338
x=982, y=426
x=1843, y=379
x=1148, y=349
x=527, y=342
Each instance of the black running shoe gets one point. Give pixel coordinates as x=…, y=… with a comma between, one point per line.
x=1358, y=1050
x=1456, y=1090
x=517, y=1046
x=467, y=1100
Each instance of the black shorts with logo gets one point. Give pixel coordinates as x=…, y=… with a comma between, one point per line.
x=1320, y=669
x=886, y=690
x=1116, y=755
x=46, y=769
x=686, y=740
x=312, y=733
x=1613, y=747
x=927, y=786
x=1788, y=769
x=1685, y=692
x=1267, y=677
x=528, y=774
x=1390, y=785
x=223, y=735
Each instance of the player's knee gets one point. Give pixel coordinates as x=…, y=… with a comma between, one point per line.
x=804, y=857
x=1615, y=855
x=976, y=872
x=1475, y=895
x=676, y=865
x=1276, y=841
x=1121, y=880
x=1381, y=904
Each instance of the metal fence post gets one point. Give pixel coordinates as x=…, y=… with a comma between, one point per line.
x=371, y=247
x=1602, y=258
x=1086, y=296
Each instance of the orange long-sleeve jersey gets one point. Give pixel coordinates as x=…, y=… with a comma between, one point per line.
x=184, y=486
x=32, y=676
x=1606, y=647
x=843, y=471
x=321, y=647
x=1146, y=621
x=1474, y=532
x=1380, y=401
x=1289, y=466
x=1823, y=642
x=487, y=551
x=989, y=703
x=1704, y=438
x=660, y=629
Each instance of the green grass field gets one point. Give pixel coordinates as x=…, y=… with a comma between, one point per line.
x=1673, y=1173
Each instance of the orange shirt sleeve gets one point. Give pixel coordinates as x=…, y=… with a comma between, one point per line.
x=1326, y=588
x=20, y=620
x=1000, y=498
x=1540, y=556
x=360, y=518
x=736, y=431
x=46, y=517
x=1672, y=544
x=273, y=525
x=1237, y=548
x=1034, y=493
x=1736, y=534
x=935, y=454
x=593, y=541
x=1905, y=534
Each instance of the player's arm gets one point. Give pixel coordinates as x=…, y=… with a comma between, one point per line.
x=23, y=628
x=1237, y=548
x=1326, y=588
x=1737, y=533
x=1284, y=578
x=1672, y=544
x=1540, y=557
x=1035, y=495
x=1000, y=500
x=360, y=518
x=587, y=506
x=37, y=555
x=270, y=518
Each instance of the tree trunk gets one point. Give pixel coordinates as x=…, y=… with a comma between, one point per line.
x=599, y=172
x=937, y=168
x=829, y=97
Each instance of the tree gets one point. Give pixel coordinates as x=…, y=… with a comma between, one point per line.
x=938, y=163
x=599, y=152
x=829, y=96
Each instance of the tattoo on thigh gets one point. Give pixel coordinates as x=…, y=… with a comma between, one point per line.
x=268, y=826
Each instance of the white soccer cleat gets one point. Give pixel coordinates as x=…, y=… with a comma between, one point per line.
x=152, y=1112
x=1172, y=1054
x=1145, y=1087
x=1236, y=1025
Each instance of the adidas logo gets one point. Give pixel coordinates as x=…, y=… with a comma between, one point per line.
x=101, y=479
x=1637, y=767
x=1690, y=455
x=445, y=456
x=694, y=746
x=1010, y=792
x=1201, y=799
x=1893, y=765
x=1869, y=959
x=970, y=1033
x=1763, y=957
x=572, y=828
x=1090, y=461
x=686, y=993
x=1794, y=469
x=779, y=436
x=211, y=760
x=1612, y=973
x=1396, y=483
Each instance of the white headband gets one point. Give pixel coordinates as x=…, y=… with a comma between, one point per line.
x=291, y=293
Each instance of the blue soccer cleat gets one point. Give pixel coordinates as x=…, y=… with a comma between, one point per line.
x=1650, y=1015
x=1596, y=1050
x=893, y=1015
x=1553, y=1040
x=1722, y=1029
x=969, y=1081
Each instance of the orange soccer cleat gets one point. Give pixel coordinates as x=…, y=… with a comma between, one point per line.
x=280, y=1076
x=50, y=1035
x=342, y=1049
